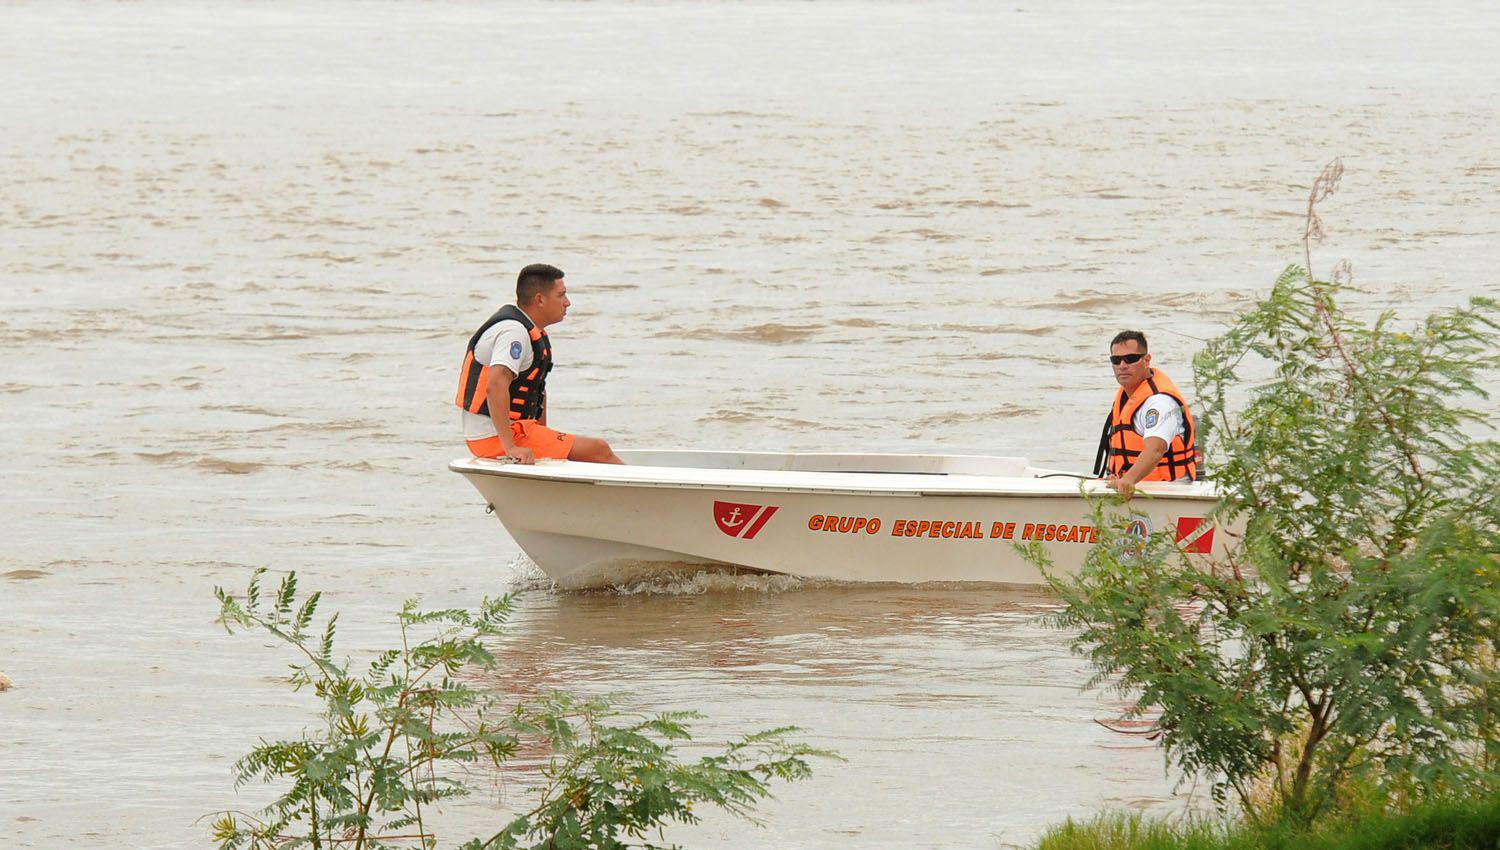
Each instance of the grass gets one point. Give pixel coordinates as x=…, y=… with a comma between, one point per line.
x=1442, y=825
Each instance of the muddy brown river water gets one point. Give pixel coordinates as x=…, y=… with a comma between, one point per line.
x=241, y=245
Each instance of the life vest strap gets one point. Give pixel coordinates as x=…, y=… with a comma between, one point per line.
x=528, y=393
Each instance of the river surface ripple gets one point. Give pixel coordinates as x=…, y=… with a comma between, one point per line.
x=240, y=247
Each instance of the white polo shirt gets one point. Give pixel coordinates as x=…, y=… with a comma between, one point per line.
x=505, y=343
x=1160, y=416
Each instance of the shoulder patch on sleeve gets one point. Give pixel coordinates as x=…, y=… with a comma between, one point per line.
x=515, y=350
x=1152, y=417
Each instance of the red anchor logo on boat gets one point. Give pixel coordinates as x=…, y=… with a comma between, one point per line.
x=740, y=520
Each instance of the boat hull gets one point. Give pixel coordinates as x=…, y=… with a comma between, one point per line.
x=588, y=530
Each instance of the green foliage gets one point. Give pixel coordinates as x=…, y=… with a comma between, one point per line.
x=387, y=730
x=1454, y=824
x=1351, y=632
x=1133, y=832
x=609, y=785
x=372, y=773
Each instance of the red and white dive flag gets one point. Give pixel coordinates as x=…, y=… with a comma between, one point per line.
x=1194, y=535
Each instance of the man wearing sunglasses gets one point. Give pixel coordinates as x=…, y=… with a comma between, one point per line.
x=1149, y=435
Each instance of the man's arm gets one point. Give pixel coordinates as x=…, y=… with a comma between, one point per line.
x=1151, y=454
x=497, y=391
x=1159, y=421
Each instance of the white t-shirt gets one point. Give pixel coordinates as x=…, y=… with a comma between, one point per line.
x=505, y=343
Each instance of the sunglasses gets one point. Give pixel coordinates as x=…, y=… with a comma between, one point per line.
x=1117, y=359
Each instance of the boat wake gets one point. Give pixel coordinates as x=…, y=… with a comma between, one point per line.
x=661, y=578
x=525, y=575
x=694, y=580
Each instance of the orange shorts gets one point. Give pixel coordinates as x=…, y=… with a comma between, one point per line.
x=530, y=434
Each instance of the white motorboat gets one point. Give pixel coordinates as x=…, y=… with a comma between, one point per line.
x=848, y=517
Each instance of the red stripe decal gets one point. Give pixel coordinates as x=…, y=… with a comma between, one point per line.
x=760, y=521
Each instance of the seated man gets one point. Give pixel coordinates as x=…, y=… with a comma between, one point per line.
x=1149, y=434
x=508, y=359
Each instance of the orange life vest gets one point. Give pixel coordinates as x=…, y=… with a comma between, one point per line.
x=1120, y=444
x=528, y=392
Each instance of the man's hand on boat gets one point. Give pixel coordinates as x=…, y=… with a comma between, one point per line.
x=1123, y=487
x=521, y=454
x=1155, y=449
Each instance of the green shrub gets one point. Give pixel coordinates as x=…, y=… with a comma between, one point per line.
x=370, y=776
x=1350, y=635
x=1449, y=823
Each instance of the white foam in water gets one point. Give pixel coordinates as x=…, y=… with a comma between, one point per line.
x=526, y=575
x=664, y=578
x=671, y=580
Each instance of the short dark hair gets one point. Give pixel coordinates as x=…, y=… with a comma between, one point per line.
x=1129, y=336
x=535, y=278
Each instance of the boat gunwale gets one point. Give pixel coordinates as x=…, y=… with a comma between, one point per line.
x=894, y=484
